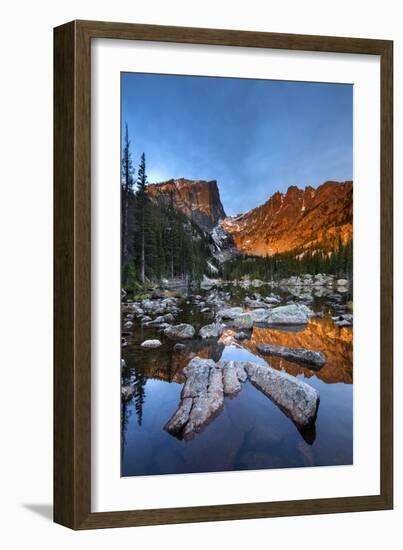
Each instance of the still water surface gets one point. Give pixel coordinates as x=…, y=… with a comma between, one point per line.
x=251, y=432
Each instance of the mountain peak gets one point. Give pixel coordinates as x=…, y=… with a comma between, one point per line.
x=300, y=218
x=197, y=199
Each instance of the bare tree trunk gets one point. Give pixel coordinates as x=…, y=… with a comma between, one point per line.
x=124, y=223
x=142, y=252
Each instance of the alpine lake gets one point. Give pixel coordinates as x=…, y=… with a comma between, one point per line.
x=251, y=431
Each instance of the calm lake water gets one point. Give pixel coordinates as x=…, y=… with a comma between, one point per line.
x=251, y=432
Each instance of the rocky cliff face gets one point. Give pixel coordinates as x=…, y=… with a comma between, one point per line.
x=300, y=218
x=199, y=200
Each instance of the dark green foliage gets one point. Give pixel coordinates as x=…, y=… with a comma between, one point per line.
x=174, y=247
x=144, y=236
x=129, y=275
x=337, y=261
x=127, y=184
x=157, y=240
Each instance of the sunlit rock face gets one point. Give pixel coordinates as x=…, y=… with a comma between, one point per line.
x=300, y=218
x=197, y=199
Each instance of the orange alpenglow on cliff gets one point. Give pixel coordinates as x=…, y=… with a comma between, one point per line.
x=199, y=200
x=299, y=218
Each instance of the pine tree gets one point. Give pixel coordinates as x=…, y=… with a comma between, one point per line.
x=127, y=182
x=170, y=235
x=142, y=204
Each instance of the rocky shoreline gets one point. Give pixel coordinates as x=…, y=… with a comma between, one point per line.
x=286, y=305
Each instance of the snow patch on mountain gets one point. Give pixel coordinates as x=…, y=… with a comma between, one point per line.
x=212, y=267
x=223, y=246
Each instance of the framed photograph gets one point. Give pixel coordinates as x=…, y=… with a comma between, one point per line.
x=223, y=275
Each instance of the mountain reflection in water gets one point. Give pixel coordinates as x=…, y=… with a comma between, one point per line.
x=251, y=432
x=319, y=335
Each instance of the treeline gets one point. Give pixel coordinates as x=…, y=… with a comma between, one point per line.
x=337, y=261
x=157, y=240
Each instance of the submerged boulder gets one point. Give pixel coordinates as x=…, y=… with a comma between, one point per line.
x=293, y=314
x=182, y=331
x=161, y=320
x=214, y=330
x=208, y=284
x=242, y=336
x=255, y=304
x=229, y=313
x=202, y=398
x=145, y=319
x=300, y=355
x=296, y=399
x=272, y=300
x=243, y=322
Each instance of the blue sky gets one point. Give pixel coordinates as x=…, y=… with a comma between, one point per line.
x=255, y=137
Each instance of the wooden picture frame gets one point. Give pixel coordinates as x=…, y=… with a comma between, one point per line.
x=72, y=270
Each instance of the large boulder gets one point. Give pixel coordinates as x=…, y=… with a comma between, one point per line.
x=232, y=384
x=152, y=344
x=202, y=398
x=259, y=315
x=161, y=320
x=293, y=314
x=214, y=330
x=315, y=359
x=207, y=382
x=243, y=322
x=182, y=331
x=256, y=304
x=296, y=399
x=229, y=313
x=272, y=300
x=137, y=310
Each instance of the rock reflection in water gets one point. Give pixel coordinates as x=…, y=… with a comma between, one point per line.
x=251, y=432
x=319, y=335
